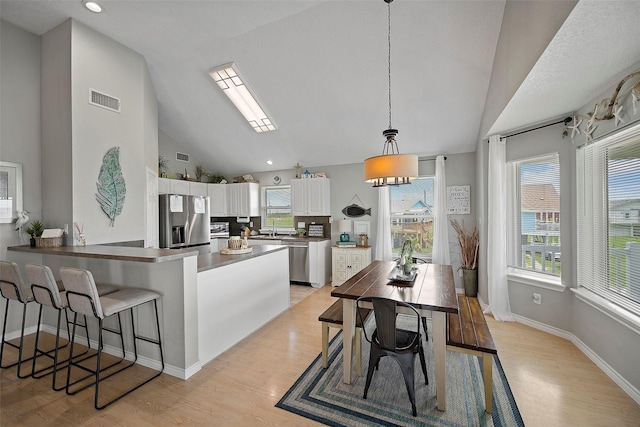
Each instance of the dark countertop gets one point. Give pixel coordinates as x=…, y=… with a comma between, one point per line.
x=216, y=259
x=111, y=252
x=287, y=238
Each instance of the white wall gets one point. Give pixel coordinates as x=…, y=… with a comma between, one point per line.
x=20, y=118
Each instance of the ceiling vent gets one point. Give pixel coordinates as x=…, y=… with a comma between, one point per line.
x=103, y=100
x=182, y=157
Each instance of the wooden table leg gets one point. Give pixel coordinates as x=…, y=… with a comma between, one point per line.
x=440, y=352
x=348, y=332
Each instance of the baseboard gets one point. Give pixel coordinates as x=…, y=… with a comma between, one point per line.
x=625, y=385
x=148, y=362
x=544, y=327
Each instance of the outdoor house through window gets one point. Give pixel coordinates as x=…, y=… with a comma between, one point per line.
x=412, y=217
x=277, y=205
x=608, y=223
x=533, y=219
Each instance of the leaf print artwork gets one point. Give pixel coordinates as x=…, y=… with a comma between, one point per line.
x=111, y=186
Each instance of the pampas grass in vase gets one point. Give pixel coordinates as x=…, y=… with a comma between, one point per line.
x=469, y=244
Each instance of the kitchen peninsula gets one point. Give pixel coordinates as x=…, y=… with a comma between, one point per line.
x=209, y=301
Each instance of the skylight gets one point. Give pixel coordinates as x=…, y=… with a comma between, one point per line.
x=231, y=83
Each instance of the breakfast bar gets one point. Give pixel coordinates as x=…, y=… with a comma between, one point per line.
x=200, y=293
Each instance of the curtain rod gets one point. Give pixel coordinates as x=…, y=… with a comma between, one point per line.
x=566, y=120
x=428, y=159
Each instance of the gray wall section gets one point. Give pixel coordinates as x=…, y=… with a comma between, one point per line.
x=57, y=161
x=604, y=339
x=20, y=118
x=106, y=66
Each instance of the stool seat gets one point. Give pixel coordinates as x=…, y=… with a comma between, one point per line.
x=125, y=299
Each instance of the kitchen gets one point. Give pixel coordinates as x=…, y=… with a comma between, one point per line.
x=58, y=159
x=308, y=244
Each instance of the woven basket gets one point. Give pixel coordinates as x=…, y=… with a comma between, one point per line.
x=234, y=244
x=48, y=242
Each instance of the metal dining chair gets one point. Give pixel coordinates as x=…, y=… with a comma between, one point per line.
x=389, y=340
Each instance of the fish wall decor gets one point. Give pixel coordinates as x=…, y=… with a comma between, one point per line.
x=355, y=211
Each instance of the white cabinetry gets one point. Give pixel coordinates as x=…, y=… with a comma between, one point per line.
x=346, y=262
x=163, y=186
x=218, y=199
x=311, y=196
x=243, y=199
x=319, y=267
x=173, y=186
x=198, y=189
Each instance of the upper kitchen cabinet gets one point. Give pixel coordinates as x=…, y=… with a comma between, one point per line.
x=311, y=196
x=218, y=199
x=179, y=186
x=172, y=186
x=243, y=199
x=198, y=189
x=163, y=186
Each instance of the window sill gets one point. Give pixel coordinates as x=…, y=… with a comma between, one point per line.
x=534, y=279
x=617, y=313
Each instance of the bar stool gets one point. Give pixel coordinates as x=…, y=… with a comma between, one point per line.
x=83, y=298
x=12, y=288
x=47, y=292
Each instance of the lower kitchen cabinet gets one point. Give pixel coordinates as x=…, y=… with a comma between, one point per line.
x=346, y=262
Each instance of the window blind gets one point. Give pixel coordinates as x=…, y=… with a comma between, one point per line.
x=608, y=218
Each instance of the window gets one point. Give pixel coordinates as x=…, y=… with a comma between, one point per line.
x=608, y=187
x=277, y=207
x=533, y=216
x=412, y=216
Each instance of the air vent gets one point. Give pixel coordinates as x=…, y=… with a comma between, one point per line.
x=103, y=100
x=182, y=157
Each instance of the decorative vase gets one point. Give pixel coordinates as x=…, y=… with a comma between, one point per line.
x=470, y=281
x=32, y=242
x=407, y=268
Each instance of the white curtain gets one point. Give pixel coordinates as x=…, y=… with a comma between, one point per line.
x=383, y=233
x=441, y=224
x=497, y=232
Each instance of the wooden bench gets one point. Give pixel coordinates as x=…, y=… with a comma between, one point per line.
x=467, y=332
x=332, y=317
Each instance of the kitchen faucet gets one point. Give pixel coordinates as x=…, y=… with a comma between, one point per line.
x=273, y=229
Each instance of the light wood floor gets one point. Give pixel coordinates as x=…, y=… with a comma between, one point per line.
x=555, y=387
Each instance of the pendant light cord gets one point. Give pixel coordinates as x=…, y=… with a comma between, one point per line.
x=389, y=43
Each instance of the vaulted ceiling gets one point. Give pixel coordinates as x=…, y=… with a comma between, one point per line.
x=320, y=69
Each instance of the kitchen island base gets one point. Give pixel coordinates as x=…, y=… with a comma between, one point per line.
x=235, y=300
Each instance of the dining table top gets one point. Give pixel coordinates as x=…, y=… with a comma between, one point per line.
x=433, y=288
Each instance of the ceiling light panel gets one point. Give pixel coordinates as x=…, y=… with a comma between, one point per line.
x=228, y=78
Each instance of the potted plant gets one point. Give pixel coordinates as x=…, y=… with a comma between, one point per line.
x=163, y=164
x=201, y=173
x=469, y=244
x=34, y=229
x=406, y=256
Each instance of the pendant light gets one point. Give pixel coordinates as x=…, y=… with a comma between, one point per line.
x=390, y=168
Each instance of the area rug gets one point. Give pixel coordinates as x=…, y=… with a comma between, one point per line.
x=320, y=394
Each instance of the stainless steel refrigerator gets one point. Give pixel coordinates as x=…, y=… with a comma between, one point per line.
x=184, y=221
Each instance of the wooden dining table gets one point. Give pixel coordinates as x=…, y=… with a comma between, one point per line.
x=433, y=290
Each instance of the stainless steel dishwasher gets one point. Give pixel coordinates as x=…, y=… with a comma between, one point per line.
x=298, y=261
